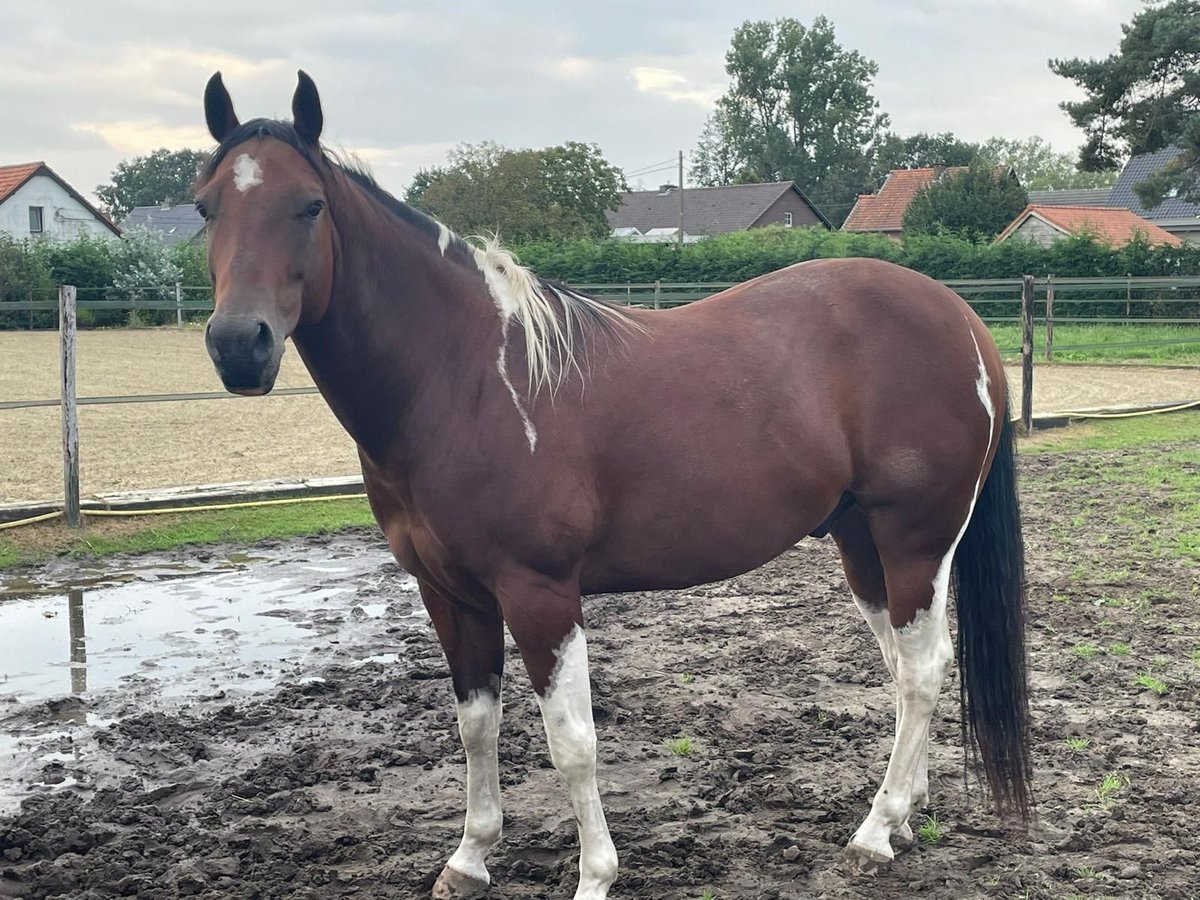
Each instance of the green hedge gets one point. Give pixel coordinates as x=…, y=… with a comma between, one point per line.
x=747, y=254
x=138, y=268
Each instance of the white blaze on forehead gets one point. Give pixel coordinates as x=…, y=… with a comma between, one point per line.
x=247, y=173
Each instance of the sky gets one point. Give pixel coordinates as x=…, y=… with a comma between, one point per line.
x=84, y=85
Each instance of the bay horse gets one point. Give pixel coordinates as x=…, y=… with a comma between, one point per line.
x=523, y=445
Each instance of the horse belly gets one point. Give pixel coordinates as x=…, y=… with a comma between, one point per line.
x=690, y=536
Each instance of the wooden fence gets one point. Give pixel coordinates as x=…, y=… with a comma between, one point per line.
x=1031, y=299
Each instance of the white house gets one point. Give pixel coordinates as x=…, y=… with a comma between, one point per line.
x=35, y=202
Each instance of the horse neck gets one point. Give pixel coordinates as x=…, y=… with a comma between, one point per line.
x=407, y=334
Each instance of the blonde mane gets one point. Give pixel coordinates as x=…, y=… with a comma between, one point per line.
x=555, y=320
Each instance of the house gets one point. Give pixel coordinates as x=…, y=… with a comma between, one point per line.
x=1071, y=197
x=174, y=224
x=1175, y=214
x=649, y=216
x=1046, y=224
x=36, y=202
x=883, y=212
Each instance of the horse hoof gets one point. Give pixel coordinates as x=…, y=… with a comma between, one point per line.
x=454, y=885
x=860, y=859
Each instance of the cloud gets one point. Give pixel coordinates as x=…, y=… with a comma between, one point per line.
x=674, y=86
x=138, y=137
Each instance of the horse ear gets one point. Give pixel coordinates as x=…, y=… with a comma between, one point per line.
x=218, y=108
x=307, y=118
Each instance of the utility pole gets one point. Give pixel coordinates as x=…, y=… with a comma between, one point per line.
x=680, y=198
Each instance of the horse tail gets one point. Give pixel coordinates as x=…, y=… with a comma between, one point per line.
x=989, y=567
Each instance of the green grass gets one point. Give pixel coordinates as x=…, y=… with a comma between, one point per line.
x=1085, y=651
x=1077, y=744
x=1119, y=650
x=1008, y=338
x=103, y=537
x=1157, y=685
x=681, y=746
x=1110, y=786
x=1118, y=434
x=708, y=894
x=931, y=831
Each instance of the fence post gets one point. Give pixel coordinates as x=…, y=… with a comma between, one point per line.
x=178, y=304
x=70, y=412
x=1128, y=294
x=657, y=291
x=1026, y=354
x=1049, y=318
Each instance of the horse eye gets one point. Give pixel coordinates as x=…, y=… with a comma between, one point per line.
x=202, y=210
x=314, y=208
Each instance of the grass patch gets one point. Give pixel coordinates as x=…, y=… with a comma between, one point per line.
x=1150, y=683
x=1117, y=434
x=1077, y=744
x=1119, y=649
x=103, y=537
x=681, y=746
x=931, y=830
x=1110, y=786
x=1085, y=651
x=1168, y=340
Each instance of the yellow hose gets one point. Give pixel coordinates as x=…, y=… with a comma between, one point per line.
x=1130, y=415
x=247, y=504
x=44, y=517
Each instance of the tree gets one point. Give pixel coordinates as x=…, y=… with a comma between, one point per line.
x=561, y=191
x=162, y=177
x=1039, y=166
x=919, y=151
x=1144, y=97
x=799, y=108
x=976, y=204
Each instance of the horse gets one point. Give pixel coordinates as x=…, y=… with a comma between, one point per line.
x=524, y=445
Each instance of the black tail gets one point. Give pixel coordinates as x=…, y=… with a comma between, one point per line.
x=989, y=567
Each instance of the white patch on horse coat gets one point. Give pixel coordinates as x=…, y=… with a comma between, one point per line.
x=479, y=727
x=571, y=734
x=247, y=173
x=502, y=367
x=443, y=238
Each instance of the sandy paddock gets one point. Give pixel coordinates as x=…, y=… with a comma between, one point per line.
x=134, y=446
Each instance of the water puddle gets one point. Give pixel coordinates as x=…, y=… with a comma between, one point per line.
x=229, y=623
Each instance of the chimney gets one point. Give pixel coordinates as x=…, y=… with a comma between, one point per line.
x=664, y=189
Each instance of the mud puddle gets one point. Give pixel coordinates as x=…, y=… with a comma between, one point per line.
x=82, y=649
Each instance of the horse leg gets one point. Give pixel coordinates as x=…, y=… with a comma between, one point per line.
x=864, y=574
x=546, y=621
x=473, y=640
x=917, y=583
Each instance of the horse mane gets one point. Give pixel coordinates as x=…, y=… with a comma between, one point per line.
x=559, y=323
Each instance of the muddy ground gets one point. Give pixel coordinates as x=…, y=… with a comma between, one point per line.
x=346, y=780
x=293, y=437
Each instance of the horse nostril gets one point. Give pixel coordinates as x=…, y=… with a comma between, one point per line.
x=264, y=342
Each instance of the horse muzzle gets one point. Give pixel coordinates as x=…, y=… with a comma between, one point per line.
x=245, y=351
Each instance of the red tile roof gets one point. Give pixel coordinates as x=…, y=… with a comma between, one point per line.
x=884, y=211
x=1112, y=225
x=12, y=177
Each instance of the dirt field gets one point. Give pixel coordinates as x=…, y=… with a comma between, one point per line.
x=131, y=447
x=346, y=779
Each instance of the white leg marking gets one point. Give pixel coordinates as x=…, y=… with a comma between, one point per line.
x=571, y=734
x=247, y=173
x=502, y=367
x=923, y=650
x=479, y=726
x=443, y=238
